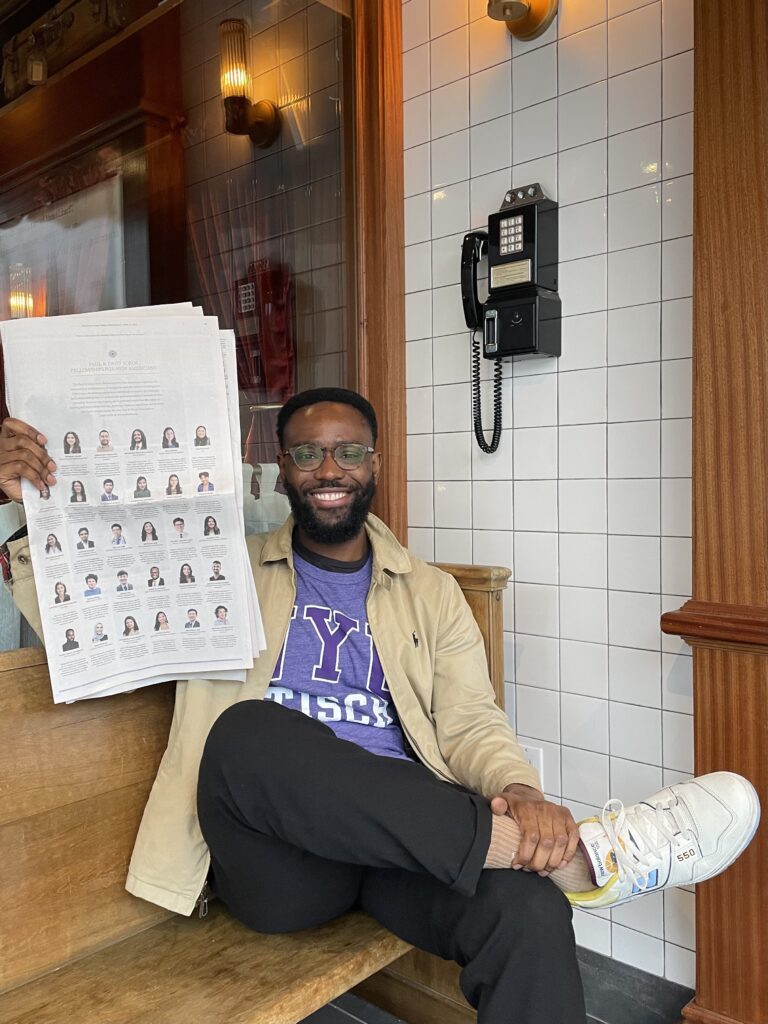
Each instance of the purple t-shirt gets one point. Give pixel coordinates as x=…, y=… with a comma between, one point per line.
x=329, y=668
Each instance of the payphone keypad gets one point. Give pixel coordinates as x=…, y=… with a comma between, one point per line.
x=511, y=235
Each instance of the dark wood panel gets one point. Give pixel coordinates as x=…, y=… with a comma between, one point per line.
x=381, y=241
x=95, y=98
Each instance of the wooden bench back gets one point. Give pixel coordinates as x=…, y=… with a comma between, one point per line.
x=73, y=783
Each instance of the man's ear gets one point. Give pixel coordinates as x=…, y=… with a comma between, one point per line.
x=376, y=462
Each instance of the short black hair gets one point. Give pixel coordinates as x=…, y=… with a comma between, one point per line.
x=314, y=396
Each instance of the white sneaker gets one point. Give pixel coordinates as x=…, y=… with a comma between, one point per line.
x=684, y=834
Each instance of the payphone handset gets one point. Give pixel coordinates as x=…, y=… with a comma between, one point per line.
x=521, y=316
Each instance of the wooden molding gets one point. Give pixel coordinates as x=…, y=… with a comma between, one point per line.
x=700, y=1015
x=381, y=241
x=709, y=623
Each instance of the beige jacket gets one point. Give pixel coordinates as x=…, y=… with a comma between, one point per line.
x=440, y=688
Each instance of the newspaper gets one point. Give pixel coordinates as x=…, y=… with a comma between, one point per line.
x=138, y=551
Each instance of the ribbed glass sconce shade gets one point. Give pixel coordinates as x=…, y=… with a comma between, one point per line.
x=233, y=66
x=20, y=297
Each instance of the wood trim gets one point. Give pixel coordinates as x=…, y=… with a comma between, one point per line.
x=411, y=1000
x=487, y=578
x=381, y=240
x=700, y=622
x=730, y=486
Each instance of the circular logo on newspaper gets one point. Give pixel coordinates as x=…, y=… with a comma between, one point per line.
x=112, y=353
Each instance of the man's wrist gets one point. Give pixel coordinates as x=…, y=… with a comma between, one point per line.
x=523, y=791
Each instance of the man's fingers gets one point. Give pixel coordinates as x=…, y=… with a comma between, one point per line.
x=572, y=844
x=25, y=464
x=499, y=805
x=529, y=827
x=11, y=426
x=544, y=848
x=21, y=448
x=557, y=851
x=26, y=454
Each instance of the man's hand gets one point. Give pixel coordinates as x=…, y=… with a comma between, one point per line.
x=549, y=833
x=22, y=455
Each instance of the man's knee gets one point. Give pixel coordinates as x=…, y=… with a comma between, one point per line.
x=254, y=737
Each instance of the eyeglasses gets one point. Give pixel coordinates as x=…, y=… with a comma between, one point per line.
x=348, y=455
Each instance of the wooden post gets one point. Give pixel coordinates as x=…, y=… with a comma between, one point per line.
x=727, y=620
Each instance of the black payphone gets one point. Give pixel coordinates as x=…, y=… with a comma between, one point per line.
x=521, y=316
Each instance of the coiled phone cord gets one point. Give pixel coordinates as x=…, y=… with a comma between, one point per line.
x=477, y=415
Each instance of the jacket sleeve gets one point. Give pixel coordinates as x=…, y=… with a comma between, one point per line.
x=473, y=733
x=23, y=584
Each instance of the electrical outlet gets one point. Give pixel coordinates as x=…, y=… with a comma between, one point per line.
x=535, y=758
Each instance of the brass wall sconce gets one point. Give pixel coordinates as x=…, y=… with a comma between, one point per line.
x=526, y=19
x=260, y=120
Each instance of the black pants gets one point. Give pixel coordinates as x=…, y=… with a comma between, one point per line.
x=303, y=826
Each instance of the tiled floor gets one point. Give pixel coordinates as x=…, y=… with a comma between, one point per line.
x=349, y=1009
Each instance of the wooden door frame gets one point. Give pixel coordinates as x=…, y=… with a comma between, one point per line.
x=378, y=207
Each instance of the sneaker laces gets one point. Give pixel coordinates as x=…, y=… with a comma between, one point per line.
x=652, y=831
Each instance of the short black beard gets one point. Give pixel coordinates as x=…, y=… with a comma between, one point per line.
x=332, y=533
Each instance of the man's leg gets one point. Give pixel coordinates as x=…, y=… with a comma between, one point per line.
x=278, y=789
x=513, y=939
x=292, y=815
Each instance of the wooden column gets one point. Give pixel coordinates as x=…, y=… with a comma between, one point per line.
x=381, y=239
x=727, y=620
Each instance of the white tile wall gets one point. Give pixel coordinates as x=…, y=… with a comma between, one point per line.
x=588, y=497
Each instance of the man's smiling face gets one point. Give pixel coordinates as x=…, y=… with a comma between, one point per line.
x=329, y=504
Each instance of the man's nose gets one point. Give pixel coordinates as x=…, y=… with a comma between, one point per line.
x=328, y=470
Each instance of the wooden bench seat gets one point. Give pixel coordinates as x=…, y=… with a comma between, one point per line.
x=75, y=948
x=214, y=971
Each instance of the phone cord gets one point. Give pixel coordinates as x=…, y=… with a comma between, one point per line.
x=477, y=415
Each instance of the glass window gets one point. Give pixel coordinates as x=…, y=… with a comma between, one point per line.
x=269, y=231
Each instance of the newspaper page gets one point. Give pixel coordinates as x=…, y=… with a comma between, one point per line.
x=138, y=550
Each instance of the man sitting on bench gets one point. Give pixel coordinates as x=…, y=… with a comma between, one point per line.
x=364, y=762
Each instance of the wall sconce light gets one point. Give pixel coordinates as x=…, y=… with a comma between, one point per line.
x=260, y=120
x=526, y=19
x=20, y=297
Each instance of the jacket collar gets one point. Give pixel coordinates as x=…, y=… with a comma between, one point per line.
x=389, y=556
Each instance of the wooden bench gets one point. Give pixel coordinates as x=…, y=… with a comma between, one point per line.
x=75, y=948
